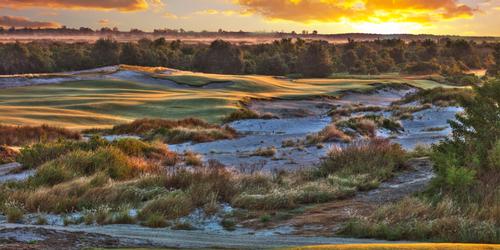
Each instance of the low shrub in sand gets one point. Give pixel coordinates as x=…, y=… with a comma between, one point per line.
x=26, y=135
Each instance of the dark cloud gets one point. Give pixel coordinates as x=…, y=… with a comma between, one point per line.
x=22, y=22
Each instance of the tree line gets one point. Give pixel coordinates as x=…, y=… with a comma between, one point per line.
x=295, y=57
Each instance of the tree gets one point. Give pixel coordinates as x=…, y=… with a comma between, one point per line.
x=221, y=57
x=106, y=52
x=494, y=70
x=130, y=54
x=316, y=61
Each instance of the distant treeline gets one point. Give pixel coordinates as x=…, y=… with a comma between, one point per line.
x=282, y=57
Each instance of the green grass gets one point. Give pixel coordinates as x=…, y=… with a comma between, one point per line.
x=196, y=81
x=103, y=103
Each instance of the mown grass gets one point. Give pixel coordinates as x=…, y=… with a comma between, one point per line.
x=104, y=103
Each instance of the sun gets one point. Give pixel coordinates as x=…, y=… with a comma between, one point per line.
x=387, y=27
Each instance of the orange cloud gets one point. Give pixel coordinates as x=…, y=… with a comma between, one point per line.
x=122, y=5
x=417, y=11
x=22, y=22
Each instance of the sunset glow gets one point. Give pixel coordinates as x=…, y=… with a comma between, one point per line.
x=460, y=17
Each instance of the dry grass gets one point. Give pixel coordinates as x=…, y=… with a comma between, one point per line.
x=26, y=135
x=8, y=155
x=172, y=131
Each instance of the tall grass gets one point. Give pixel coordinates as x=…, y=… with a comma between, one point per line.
x=172, y=131
x=26, y=135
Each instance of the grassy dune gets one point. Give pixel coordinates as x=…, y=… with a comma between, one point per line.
x=103, y=103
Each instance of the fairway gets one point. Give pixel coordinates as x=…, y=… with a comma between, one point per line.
x=108, y=101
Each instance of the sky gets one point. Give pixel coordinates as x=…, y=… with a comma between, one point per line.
x=443, y=17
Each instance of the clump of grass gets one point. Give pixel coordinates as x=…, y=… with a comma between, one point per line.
x=183, y=226
x=329, y=134
x=171, y=205
x=241, y=114
x=155, y=221
x=347, y=111
x=122, y=217
x=26, y=135
x=289, y=143
x=13, y=211
x=192, y=159
x=109, y=160
x=440, y=96
x=7, y=155
x=228, y=224
x=41, y=220
x=265, y=152
x=377, y=157
x=172, y=131
x=266, y=218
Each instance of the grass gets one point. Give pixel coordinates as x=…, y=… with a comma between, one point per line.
x=171, y=131
x=8, y=155
x=26, y=135
x=104, y=103
x=439, y=96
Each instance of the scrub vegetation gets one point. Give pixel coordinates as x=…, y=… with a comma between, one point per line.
x=462, y=203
